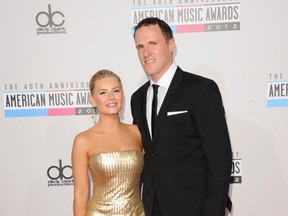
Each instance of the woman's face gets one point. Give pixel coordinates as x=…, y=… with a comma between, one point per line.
x=107, y=96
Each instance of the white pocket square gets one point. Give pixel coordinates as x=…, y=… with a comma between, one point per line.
x=176, y=112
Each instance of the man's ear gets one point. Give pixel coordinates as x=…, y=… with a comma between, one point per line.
x=172, y=45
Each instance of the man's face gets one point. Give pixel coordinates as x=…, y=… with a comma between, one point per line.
x=154, y=51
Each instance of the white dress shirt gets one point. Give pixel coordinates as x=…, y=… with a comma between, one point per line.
x=164, y=83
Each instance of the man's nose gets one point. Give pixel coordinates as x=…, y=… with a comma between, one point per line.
x=146, y=51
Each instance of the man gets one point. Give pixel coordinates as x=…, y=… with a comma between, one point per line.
x=188, y=160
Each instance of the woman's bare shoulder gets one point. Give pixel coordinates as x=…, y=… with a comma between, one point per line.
x=85, y=137
x=134, y=132
x=132, y=127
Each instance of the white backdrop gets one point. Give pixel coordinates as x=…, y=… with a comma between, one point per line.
x=44, y=72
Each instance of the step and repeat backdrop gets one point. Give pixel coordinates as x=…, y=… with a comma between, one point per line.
x=50, y=49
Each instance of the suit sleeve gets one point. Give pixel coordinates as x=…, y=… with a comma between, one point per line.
x=132, y=107
x=212, y=127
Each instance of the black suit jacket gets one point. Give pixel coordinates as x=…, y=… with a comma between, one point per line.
x=188, y=165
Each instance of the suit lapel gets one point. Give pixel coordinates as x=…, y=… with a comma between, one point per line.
x=143, y=111
x=169, y=99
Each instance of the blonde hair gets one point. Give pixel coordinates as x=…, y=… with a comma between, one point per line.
x=100, y=75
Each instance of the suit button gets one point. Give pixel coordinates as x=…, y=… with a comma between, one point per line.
x=153, y=154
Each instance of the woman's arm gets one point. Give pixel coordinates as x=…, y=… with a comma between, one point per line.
x=80, y=175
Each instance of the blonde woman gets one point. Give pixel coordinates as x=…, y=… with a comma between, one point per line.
x=111, y=153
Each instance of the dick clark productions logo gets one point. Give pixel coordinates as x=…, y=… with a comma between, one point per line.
x=60, y=175
x=50, y=22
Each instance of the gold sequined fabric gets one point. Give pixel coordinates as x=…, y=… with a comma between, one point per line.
x=116, y=184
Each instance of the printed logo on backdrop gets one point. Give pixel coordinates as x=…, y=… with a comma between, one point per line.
x=236, y=172
x=46, y=99
x=60, y=175
x=50, y=21
x=187, y=16
x=277, y=90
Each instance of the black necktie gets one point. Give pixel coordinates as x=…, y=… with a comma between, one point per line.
x=154, y=109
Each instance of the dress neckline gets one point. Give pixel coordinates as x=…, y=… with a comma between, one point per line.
x=114, y=152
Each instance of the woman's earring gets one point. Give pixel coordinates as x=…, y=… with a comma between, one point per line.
x=121, y=114
x=95, y=112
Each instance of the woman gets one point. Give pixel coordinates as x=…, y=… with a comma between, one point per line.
x=112, y=152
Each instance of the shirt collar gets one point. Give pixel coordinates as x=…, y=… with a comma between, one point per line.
x=167, y=77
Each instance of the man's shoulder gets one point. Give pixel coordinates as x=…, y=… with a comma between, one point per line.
x=141, y=88
x=138, y=95
x=193, y=77
x=193, y=80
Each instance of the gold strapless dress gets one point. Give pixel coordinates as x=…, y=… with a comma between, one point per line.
x=116, y=184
